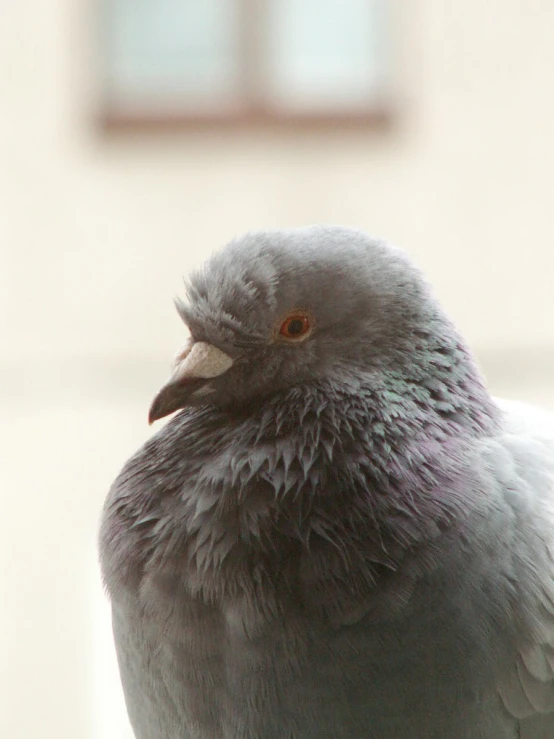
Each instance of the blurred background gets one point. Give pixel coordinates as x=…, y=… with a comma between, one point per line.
x=135, y=137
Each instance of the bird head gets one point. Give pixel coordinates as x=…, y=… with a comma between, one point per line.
x=284, y=308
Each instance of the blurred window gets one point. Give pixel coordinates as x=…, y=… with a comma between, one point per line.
x=196, y=61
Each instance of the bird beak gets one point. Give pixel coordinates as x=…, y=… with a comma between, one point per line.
x=194, y=366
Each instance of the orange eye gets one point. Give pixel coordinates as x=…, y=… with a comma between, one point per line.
x=295, y=326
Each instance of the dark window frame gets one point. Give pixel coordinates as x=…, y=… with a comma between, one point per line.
x=250, y=109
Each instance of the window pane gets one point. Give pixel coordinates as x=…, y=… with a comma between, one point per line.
x=326, y=54
x=173, y=54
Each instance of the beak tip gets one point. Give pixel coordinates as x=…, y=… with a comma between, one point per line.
x=154, y=413
x=172, y=397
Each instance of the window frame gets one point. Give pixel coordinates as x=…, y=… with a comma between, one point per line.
x=250, y=109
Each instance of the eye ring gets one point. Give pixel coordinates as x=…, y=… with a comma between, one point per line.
x=294, y=327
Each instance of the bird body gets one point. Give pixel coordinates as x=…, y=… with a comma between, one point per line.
x=341, y=535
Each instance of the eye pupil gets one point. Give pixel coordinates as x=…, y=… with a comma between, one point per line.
x=295, y=327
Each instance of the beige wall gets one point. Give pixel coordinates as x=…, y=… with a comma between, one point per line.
x=95, y=233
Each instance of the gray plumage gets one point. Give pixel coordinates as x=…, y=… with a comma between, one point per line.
x=337, y=537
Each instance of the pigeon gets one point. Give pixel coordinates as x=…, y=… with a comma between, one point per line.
x=341, y=534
